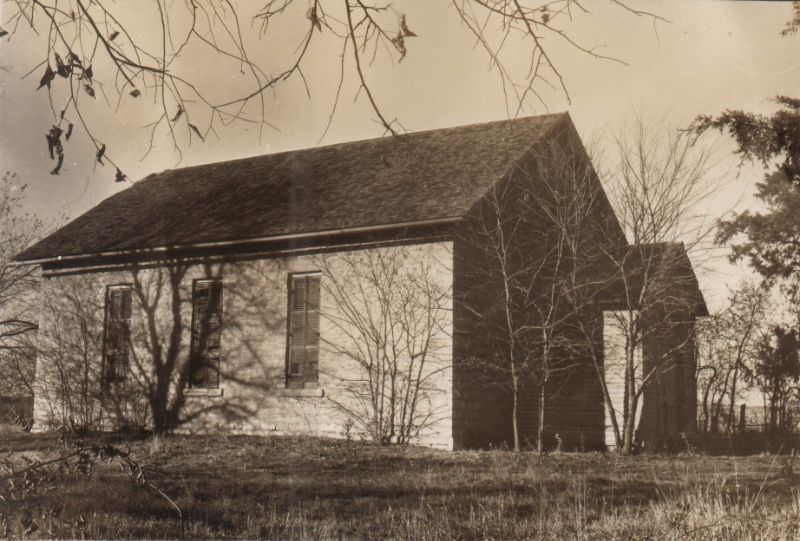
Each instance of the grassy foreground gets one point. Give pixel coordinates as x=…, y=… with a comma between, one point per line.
x=306, y=488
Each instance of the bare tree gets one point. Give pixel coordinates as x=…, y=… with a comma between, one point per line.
x=94, y=372
x=18, y=291
x=777, y=373
x=728, y=350
x=142, y=347
x=558, y=258
x=17, y=282
x=69, y=352
x=658, y=192
x=553, y=258
x=98, y=51
x=389, y=313
x=497, y=233
x=568, y=199
x=713, y=371
x=533, y=233
x=72, y=385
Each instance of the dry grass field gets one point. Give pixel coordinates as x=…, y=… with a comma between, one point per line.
x=306, y=488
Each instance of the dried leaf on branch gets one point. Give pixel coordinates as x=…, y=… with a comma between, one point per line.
x=404, y=28
x=54, y=142
x=47, y=78
x=400, y=44
x=57, y=168
x=86, y=31
x=178, y=113
x=62, y=69
x=197, y=131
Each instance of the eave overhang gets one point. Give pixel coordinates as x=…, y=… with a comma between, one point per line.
x=271, y=246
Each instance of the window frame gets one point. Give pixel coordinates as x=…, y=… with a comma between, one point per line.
x=120, y=369
x=212, y=378
x=304, y=378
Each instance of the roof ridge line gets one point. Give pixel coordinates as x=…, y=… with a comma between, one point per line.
x=352, y=142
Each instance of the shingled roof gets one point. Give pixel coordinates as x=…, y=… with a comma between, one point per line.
x=669, y=268
x=430, y=175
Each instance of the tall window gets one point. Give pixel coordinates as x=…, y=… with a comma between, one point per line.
x=303, y=336
x=116, y=347
x=206, y=333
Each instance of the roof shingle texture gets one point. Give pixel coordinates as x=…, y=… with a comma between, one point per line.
x=419, y=176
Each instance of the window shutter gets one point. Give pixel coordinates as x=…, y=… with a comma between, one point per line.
x=312, y=329
x=297, y=328
x=124, y=329
x=303, y=335
x=125, y=304
x=299, y=293
x=110, y=336
x=199, y=310
x=117, y=332
x=206, y=334
x=214, y=334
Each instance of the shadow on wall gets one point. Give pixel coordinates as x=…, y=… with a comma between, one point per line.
x=121, y=350
x=354, y=342
x=16, y=410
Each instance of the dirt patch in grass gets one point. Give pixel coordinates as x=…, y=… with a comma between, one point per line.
x=301, y=488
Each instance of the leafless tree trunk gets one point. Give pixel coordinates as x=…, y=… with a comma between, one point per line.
x=68, y=356
x=150, y=393
x=728, y=349
x=18, y=288
x=388, y=313
x=531, y=230
x=657, y=192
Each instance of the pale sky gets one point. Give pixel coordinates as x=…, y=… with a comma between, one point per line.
x=712, y=55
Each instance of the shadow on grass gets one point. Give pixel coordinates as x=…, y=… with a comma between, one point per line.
x=290, y=487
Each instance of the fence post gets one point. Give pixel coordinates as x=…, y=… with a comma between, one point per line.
x=742, y=415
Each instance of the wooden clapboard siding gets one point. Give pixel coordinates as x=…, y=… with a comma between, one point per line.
x=482, y=399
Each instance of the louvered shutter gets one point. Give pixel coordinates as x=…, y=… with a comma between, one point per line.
x=117, y=332
x=303, y=350
x=214, y=334
x=297, y=328
x=206, y=334
x=124, y=334
x=312, y=329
